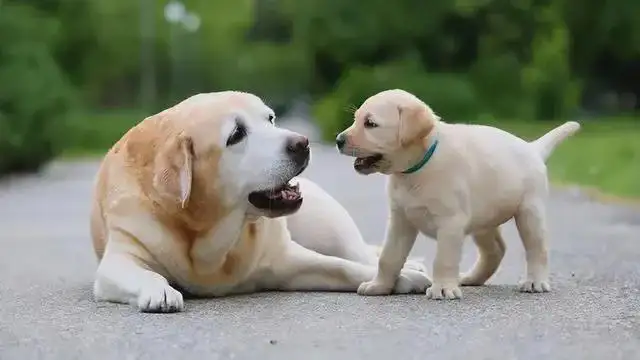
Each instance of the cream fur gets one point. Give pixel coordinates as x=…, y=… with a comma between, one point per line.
x=170, y=213
x=478, y=178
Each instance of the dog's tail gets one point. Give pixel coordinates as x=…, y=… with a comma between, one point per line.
x=547, y=142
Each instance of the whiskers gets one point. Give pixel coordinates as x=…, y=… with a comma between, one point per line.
x=351, y=109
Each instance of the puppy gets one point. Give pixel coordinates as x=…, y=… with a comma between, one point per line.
x=448, y=181
x=196, y=197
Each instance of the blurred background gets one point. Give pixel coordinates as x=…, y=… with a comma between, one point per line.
x=76, y=74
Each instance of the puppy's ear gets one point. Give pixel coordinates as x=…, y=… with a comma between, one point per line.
x=416, y=122
x=173, y=173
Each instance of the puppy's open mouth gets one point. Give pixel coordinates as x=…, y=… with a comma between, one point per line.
x=362, y=164
x=284, y=198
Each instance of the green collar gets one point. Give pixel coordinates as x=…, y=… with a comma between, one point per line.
x=425, y=159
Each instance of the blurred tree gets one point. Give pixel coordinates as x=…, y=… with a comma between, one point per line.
x=35, y=97
x=517, y=59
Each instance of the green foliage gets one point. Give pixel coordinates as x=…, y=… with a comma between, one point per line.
x=34, y=95
x=603, y=154
x=508, y=59
x=94, y=132
x=469, y=59
x=451, y=94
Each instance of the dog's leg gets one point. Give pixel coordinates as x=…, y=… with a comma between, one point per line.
x=446, y=267
x=400, y=237
x=122, y=278
x=323, y=225
x=530, y=221
x=301, y=269
x=491, y=250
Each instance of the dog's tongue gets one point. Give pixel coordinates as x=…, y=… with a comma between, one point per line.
x=287, y=192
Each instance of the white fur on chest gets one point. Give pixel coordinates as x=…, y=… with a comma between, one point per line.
x=421, y=209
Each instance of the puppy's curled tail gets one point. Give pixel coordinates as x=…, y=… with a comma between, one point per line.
x=548, y=142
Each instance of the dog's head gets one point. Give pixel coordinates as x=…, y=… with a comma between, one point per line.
x=385, y=126
x=223, y=148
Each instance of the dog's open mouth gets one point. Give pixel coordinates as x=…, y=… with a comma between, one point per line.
x=366, y=163
x=284, y=198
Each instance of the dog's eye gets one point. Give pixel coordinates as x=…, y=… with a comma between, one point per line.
x=369, y=124
x=272, y=118
x=239, y=133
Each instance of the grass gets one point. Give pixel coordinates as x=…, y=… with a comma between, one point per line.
x=603, y=155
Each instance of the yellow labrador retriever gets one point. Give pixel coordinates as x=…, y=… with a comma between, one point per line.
x=196, y=197
x=448, y=181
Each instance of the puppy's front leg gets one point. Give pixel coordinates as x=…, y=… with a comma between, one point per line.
x=122, y=278
x=301, y=269
x=400, y=237
x=446, y=265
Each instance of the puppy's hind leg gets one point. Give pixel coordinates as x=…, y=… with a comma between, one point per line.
x=491, y=250
x=531, y=224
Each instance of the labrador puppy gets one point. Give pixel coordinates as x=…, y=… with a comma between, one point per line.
x=196, y=199
x=449, y=181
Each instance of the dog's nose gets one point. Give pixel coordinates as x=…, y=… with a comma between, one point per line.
x=340, y=141
x=298, y=147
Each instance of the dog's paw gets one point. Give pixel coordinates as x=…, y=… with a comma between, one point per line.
x=416, y=265
x=444, y=292
x=411, y=282
x=374, y=287
x=530, y=286
x=160, y=298
x=471, y=280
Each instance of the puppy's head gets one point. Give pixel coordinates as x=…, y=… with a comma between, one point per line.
x=224, y=148
x=385, y=126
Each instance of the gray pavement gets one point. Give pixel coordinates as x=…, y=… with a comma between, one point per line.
x=47, y=311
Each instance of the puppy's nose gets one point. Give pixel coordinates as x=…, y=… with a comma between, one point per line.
x=298, y=147
x=341, y=140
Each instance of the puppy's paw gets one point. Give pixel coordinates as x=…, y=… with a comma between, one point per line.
x=444, y=291
x=531, y=286
x=411, y=282
x=416, y=265
x=374, y=287
x=160, y=298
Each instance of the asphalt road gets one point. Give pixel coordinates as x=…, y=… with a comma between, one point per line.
x=47, y=311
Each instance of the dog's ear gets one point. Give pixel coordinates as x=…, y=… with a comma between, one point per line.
x=173, y=173
x=416, y=122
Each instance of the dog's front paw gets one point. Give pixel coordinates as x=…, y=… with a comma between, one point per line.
x=411, y=282
x=531, y=286
x=374, y=287
x=440, y=291
x=160, y=298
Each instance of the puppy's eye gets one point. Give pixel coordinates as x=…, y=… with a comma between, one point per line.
x=239, y=133
x=369, y=124
x=272, y=118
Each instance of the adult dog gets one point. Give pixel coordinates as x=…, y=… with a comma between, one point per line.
x=197, y=197
x=448, y=181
